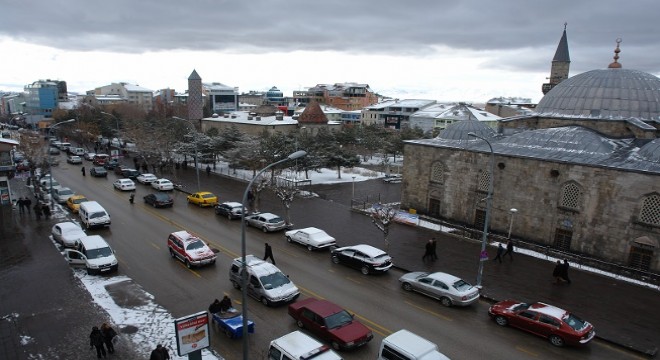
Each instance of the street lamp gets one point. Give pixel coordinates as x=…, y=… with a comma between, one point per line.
x=244, y=277
x=195, y=143
x=50, y=160
x=513, y=211
x=353, y=196
x=118, y=134
x=489, y=203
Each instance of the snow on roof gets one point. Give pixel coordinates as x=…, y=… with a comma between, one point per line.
x=136, y=88
x=241, y=117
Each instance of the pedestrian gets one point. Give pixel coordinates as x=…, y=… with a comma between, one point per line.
x=145, y=168
x=37, y=210
x=557, y=272
x=82, y=170
x=269, y=253
x=28, y=205
x=131, y=198
x=208, y=170
x=215, y=307
x=434, y=254
x=21, y=205
x=135, y=162
x=250, y=199
x=96, y=341
x=500, y=251
x=428, y=250
x=108, y=334
x=564, y=271
x=46, y=210
x=509, y=249
x=159, y=353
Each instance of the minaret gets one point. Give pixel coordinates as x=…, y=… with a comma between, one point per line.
x=195, y=98
x=560, y=64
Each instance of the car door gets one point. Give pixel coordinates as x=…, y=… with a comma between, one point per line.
x=254, y=287
x=309, y=320
x=302, y=237
x=75, y=257
x=424, y=285
x=525, y=320
x=358, y=259
x=439, y=289
x=346, y=256
x=546, y=325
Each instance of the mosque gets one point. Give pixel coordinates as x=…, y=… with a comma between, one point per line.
x=582, y=171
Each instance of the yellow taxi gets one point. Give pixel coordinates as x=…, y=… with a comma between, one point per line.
x=73, y=203
x=202, y=198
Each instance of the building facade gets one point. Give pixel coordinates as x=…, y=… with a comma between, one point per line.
x=125, y=92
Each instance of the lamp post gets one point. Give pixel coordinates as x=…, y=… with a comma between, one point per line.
x=513, y=211
x=50, y=161
x=195, y=143
x=489, y=203
x=244, y=277
x=118, y=134
x=353, y=195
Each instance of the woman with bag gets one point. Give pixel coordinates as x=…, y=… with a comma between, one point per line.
x=108, y=334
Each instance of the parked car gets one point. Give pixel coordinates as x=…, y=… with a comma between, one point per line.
x=146, y=178
x=557, y=325
x=98, y=171
x=266, y=282
x=53, y=151
x=230, y=209
x=366, y=258
x=62, y=194
x=74, y=159
x=101, y=159
x=267, y=222
x=162, y=185
x=73, y=203
x=89, y=156
x=311, y=237
x=330, y=322
x=67, y=233
x=118, y=169
x=449, y=289
x=124, y=184
x=190, y=249
x=159, y=199
x=110, y=164
x=202, y=198
x=130, y=173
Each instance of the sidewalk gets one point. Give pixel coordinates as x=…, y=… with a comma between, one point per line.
x=622, y=313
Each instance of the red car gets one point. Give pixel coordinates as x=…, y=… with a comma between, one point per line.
x=190, y=249
x=330, y=322
x=557, y=325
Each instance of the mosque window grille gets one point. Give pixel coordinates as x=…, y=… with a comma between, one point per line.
x=484, y=181
x=437, y=172
x=650, y=212
x=571, y=197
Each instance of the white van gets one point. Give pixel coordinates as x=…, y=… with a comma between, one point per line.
x=92, y=214
x=266, y=282
x=94, y=253
x=404, y=345
x=297, y=345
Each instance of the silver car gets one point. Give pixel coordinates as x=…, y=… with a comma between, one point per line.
x=447, y=288
x=267, y=222
x=67, y=233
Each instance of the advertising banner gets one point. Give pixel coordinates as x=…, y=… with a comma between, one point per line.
x=192, y=333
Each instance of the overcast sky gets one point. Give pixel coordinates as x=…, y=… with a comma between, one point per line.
x=470, y=50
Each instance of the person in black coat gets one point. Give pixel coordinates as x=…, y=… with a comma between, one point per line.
x=215, y=307
x=509, y=249
x=557, y=272
x=46, y=210
x=108, y=334
x=269, y=253
x=159, y=353
x=564, y=271
x=500, y=251
x=96, y=341
x=428, y=250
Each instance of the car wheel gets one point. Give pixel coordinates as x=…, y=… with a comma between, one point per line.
x=445, y=301
x=300, y=324
x=501, y=320
x=265, y=301
x=365, y=270
x=335, y=259
x=172, y=254
x=188, y=264
x=264, y=229
x=335, y=345
x=406, y=286
x=236, y=285
x=310, y=247
x=556, y=340
x=288, y=238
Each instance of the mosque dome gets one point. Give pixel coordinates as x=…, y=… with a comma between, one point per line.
x=651, y=151
x=610, y=94
x=459, y=130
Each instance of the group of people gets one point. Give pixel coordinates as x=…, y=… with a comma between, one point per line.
x=430, y=250
x=24, y=205
x=101, y=339
x=560, y=273
x=501, y=253
x=223, y=306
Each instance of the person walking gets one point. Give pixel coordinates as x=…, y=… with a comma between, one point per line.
x=28, y=205
x=46, y=210
x=434, y=254
x=96, y=341
x=208, y=170
x=131, y=198
x=428, y=250
x=500, y=251
x=269, y=253
x=509, y=249
x=82, y=170
x=557, y=272
x=21, y=205
x=160, y=353
x=37, y=210
x=108, y=334
x=564, y=271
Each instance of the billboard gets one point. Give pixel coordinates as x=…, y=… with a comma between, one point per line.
x=192, y=333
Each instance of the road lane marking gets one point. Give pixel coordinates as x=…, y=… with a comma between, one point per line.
x=618, y=349
x=429, y=311
x=353, y=280
x=528, y=352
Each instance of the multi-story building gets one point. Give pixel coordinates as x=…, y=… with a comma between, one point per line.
x=43, y=96
x=125, y=92
x=435, y=118
x=346, y=96
x=393, y=114
x=7, y=169
x=12, y=103
x=509, y=106
x=221, y=98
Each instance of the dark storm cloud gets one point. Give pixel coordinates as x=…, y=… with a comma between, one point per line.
x=530, y=29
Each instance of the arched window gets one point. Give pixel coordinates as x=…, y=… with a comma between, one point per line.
x=650, y=212
x=484, y=181
x=571, y=196
x=437, y=172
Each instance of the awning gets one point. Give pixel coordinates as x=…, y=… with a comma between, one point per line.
x=646, y=241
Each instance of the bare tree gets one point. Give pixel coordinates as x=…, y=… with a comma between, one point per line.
x=286, y=195
x=382, y=217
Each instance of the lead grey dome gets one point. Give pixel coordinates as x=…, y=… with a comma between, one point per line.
x=459, y=130
x=605, y=94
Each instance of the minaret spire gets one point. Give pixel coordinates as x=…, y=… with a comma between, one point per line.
x=560, y=64
x=616, y=64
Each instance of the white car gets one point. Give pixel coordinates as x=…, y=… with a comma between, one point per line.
x=449, y=289
x=62, y=194
x=124, y=184
x=146, y=178
x=265, y=221
x=67, y=233
x=311, y=237
x=74, y=159
x=162, y=185
x=89, y=156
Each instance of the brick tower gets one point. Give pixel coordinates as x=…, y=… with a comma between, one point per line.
x=195, y=98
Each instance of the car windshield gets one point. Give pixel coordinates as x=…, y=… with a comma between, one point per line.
x=78, y=201
x=206, y=196
x=338, y=320
x=99, y=253
x=422, y=275
x=275, y=280
x=194, y=245
x=97, y=215
x=161, y=197
x=275, y=220
x=575, y=322
x=461, y=285
x=65, y=192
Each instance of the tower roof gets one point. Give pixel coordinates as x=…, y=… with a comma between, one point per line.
x=562, y=54
x=313, y=114
x=194, y=76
